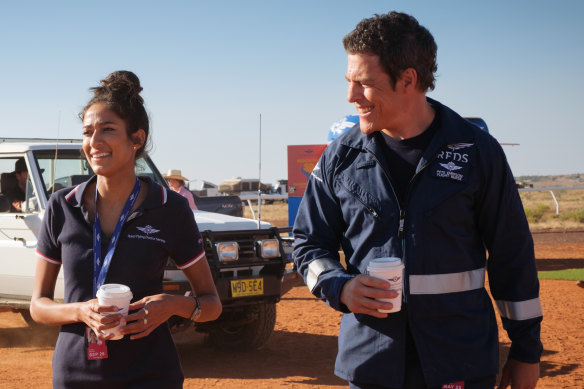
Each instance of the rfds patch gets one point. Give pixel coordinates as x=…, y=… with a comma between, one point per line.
x=453, y=162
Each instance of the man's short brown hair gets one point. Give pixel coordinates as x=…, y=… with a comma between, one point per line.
x=400, y=42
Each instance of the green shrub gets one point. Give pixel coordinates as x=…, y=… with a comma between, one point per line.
x=576, y=215
x=535, y=215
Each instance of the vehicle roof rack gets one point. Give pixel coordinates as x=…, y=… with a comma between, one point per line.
x=38, y=140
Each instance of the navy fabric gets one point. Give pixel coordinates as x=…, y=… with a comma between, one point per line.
x=403, y=155
x=461, y=201
x=162, y=226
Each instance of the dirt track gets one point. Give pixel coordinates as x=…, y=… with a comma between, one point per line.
x=301, y=351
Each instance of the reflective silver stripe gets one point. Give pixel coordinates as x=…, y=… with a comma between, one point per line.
x=520, y=310
x=317, y=267
x=447, y=283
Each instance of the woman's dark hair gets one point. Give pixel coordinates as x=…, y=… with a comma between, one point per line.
x=400, y=42
x=120, y=91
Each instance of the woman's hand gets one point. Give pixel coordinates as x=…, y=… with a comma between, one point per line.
x=46, y=311
x=151, y=312
x=99, y=317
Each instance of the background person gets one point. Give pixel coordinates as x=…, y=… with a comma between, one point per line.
x=177, y=183
x=416, y=181
x=136, y=221
x=14, y=185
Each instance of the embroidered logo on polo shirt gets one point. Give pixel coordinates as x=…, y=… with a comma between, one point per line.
x=452, y=162
x=147, y=230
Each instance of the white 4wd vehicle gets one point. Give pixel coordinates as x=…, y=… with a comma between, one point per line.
x=250, y=265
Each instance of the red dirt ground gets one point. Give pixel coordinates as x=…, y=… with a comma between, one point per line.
x=301, y=351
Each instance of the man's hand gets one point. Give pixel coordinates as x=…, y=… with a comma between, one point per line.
x=359, y=295
x=520, y=375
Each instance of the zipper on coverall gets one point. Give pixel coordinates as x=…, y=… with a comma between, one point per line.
x=402, y=214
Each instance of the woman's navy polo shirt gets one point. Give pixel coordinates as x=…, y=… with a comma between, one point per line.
x=162, y=226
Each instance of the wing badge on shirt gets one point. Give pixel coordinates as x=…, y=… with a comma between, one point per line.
x=450, y=166
x=148, y=230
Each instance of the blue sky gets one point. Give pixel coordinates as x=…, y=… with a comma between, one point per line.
x=209, y=69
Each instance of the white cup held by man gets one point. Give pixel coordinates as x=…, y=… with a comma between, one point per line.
x=392, y=270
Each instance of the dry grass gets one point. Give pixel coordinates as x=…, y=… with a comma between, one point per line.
x=276, y=213
x=539, y=207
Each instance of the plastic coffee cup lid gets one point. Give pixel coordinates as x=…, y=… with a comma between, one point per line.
x=384, y=262
x=114, y=291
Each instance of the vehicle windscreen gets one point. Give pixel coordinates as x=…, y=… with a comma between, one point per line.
x=69, y=168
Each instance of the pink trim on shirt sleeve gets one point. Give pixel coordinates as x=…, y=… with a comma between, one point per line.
x=192, y=261
x=48, y=259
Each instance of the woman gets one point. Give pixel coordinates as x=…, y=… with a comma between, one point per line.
x=132, y=222
x=177, y=183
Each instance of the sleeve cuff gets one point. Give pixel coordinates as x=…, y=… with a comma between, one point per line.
x=334, y=299
x=530, y=354
x=525, y=338
x=47, y=258
x=192, y=261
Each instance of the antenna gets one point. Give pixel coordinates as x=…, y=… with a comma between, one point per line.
x=260, y=179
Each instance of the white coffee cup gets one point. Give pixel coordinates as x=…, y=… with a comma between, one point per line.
x=120, y=296
x=392, y=270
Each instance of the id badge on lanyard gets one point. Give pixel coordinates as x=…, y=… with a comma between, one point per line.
x=454, y=385
x=97, y=349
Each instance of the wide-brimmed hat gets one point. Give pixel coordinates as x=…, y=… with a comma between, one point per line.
x=175, y=174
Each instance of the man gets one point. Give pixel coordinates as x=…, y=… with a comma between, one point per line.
x=415, y=180
x=14, y=185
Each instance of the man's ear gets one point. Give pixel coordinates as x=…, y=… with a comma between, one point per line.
x=409, y=79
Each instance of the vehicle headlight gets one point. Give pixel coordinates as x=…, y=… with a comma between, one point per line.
x=268, y=248
x=227, y=251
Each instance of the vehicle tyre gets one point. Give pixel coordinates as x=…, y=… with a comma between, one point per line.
x=251, y=335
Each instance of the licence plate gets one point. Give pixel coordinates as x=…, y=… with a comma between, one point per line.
x=249, y=287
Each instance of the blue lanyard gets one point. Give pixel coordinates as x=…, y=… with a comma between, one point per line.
x=100, y=269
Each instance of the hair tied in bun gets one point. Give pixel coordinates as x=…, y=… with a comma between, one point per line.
x=121, y=83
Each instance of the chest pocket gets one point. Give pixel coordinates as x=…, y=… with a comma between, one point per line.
x=357, y=191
